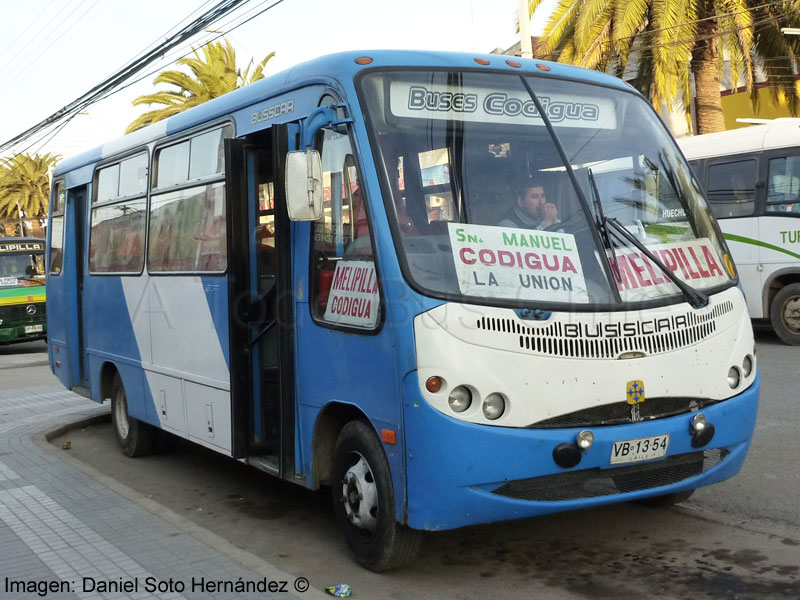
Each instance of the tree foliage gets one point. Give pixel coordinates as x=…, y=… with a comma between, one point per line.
x=673, y=40
x=25, y=185
x=213, y=73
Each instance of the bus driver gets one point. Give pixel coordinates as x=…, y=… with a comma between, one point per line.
x=532, y=210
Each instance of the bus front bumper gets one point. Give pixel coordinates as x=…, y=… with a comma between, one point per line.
x=460, y=473
x=22, y=333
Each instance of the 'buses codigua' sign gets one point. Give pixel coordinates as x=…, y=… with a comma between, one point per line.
x=485, y=105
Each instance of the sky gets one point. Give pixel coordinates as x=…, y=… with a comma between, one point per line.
x=53, y=51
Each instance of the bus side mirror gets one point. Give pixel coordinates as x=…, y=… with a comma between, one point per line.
x=304, y=185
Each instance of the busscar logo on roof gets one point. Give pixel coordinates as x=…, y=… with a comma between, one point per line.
x=421, y=98
x=271, y=112
x=22, y=247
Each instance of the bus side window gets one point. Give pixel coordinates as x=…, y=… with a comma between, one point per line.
x=732, y=188
x=697, y=168
x=187, y=225
x=341, y=244
x=57, y=229
x=783, y=181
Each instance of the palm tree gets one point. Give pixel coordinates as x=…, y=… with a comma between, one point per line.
x=673, y=39
x=214, y=74
x=25, y=185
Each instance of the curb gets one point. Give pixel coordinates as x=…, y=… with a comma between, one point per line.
x=242, y=557
x=36, y=363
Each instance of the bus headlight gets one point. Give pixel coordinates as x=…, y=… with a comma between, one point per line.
x=698, y=423
x=747, y=365
x=734, y=377
x=494, y=406
x=584, y=439
x=460, y=398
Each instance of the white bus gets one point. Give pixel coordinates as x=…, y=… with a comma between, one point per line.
x=752, y=180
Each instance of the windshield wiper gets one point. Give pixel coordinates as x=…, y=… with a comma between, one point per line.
x=694, y=297
x=600, y=219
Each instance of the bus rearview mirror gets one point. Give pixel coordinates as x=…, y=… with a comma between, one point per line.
x=304, y=185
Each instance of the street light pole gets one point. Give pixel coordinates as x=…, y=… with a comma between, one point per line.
x=526, y=51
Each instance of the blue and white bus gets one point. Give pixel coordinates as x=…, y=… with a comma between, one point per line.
x=321, y=275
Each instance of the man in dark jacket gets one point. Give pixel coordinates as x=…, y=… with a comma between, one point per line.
x=532, y=211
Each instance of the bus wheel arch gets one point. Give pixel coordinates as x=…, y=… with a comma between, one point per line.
x=332, y=418
x=363, y=501
x=107, y=374
x=135, y=437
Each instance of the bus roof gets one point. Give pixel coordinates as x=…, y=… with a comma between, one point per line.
x=326, y=69
x=779, y=133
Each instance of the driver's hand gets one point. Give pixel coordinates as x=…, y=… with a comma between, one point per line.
x=550, y=214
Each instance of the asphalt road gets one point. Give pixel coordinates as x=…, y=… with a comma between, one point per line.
x=739, y=539
x=769, y=483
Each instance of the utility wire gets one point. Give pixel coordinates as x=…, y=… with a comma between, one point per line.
x=177, y=56
x=37, y=35
x=212, y=15
x=23, y=71
x=756, y=25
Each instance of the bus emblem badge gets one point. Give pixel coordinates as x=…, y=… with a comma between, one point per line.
x=30, y=309
x=635, y=396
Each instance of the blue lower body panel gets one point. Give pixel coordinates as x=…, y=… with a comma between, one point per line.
x=461, y=474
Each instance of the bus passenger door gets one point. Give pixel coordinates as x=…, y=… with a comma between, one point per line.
x=76, y=198
x=260, y=295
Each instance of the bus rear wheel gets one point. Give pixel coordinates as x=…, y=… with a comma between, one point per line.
x=784, y=312
x=363, y=498
x=135, y=438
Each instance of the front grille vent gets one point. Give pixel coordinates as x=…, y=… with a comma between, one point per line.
x=619, y=413
x=591, y=483
x=18, y=315
x=609, y=340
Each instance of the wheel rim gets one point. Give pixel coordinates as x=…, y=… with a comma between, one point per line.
x=791, y=314
x=360, y=495
x=121, y=414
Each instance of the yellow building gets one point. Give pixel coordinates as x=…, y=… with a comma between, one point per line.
x=736, y=105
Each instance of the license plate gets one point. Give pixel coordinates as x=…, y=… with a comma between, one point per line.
x=33, y=328
x=628, y=451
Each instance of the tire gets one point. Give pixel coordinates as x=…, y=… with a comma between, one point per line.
x=784, y=313
x=666, y=499
x=361, y=477
x=135, y=438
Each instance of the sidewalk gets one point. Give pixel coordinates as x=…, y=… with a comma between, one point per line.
x=69, y=532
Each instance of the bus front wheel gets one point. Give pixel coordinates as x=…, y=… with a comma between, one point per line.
x=135, y=437
x=784, y=312
x=363, y=499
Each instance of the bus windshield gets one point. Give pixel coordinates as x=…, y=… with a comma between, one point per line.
x=487, y=204
x=20, y=266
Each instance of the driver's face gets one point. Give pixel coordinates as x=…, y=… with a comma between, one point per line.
x=534, y=201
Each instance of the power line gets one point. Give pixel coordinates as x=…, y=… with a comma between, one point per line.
x=23, y=70
x=176, y=57
x=37, y=35
x=212, y=15
x=755, y=25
